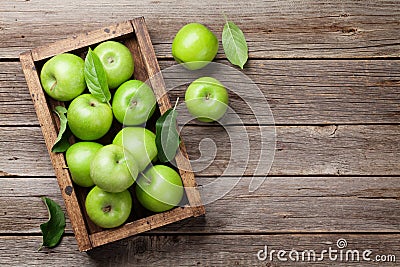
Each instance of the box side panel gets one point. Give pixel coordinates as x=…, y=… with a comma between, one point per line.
x=141, y=225
x=50, y=134
x=158, y=85
x=81, y=40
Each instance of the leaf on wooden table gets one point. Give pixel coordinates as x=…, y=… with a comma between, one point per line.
x=96, y=78
x=167, y=136
x=61, y=144
x=53, y=229
x=234, y=44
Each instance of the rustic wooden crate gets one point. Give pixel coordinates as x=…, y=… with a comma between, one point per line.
x=134, y=35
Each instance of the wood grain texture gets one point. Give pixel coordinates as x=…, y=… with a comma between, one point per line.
x=340, y=180
x=274, y=29
x=194, y=250
x=326, y=92
x=300, y=150
x=280, y=205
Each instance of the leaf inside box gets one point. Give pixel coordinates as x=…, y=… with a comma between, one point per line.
x=62, y=144
x=96, y=78
x=167, y=136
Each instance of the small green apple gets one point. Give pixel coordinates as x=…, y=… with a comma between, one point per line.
x=62, y=77
x=108, y=210
x=159, y=188
x=133, y=103
x=195, y=46
x=117, y=62
x=140, y=142
x=88, y=118
x=79, y=156
x=113, y=169
x=206, y=99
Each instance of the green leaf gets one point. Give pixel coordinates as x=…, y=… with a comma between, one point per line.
x=234, y=43
x=167, y=136
x=61, y=144
x=53, y=229
x=96, y=78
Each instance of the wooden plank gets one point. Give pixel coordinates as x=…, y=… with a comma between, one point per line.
x=194, y=250
x=49, y=132
x=300, y=150
x=323, y=92
x=280, y=205
x=300, y=28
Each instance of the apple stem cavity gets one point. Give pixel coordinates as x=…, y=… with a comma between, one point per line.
x=107, y=208
x=133, y=104
x=110, y=60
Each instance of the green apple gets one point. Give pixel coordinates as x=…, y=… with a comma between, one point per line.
x=133, y=103
x=117, y=62
x=79, y=156
x=113, y=169
x=140, y=142
x=108, y=210
x=159, y=188
x=195, y=45
x=62, y=77
x=206, y=99
x=88, y=118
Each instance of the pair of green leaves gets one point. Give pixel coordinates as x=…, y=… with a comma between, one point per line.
x=96, y=81
x=234, y=44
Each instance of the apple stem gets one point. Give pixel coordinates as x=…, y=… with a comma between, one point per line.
x=53, y=86
x=225, y=17
x=146, y=178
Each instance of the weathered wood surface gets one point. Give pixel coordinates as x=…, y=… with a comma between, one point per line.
x=336, y=165
x=198, y=250
x=281, y=204
x=300, y=150
x=325, y=92
x=274, y=29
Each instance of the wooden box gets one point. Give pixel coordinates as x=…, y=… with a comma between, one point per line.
x=134, y=35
